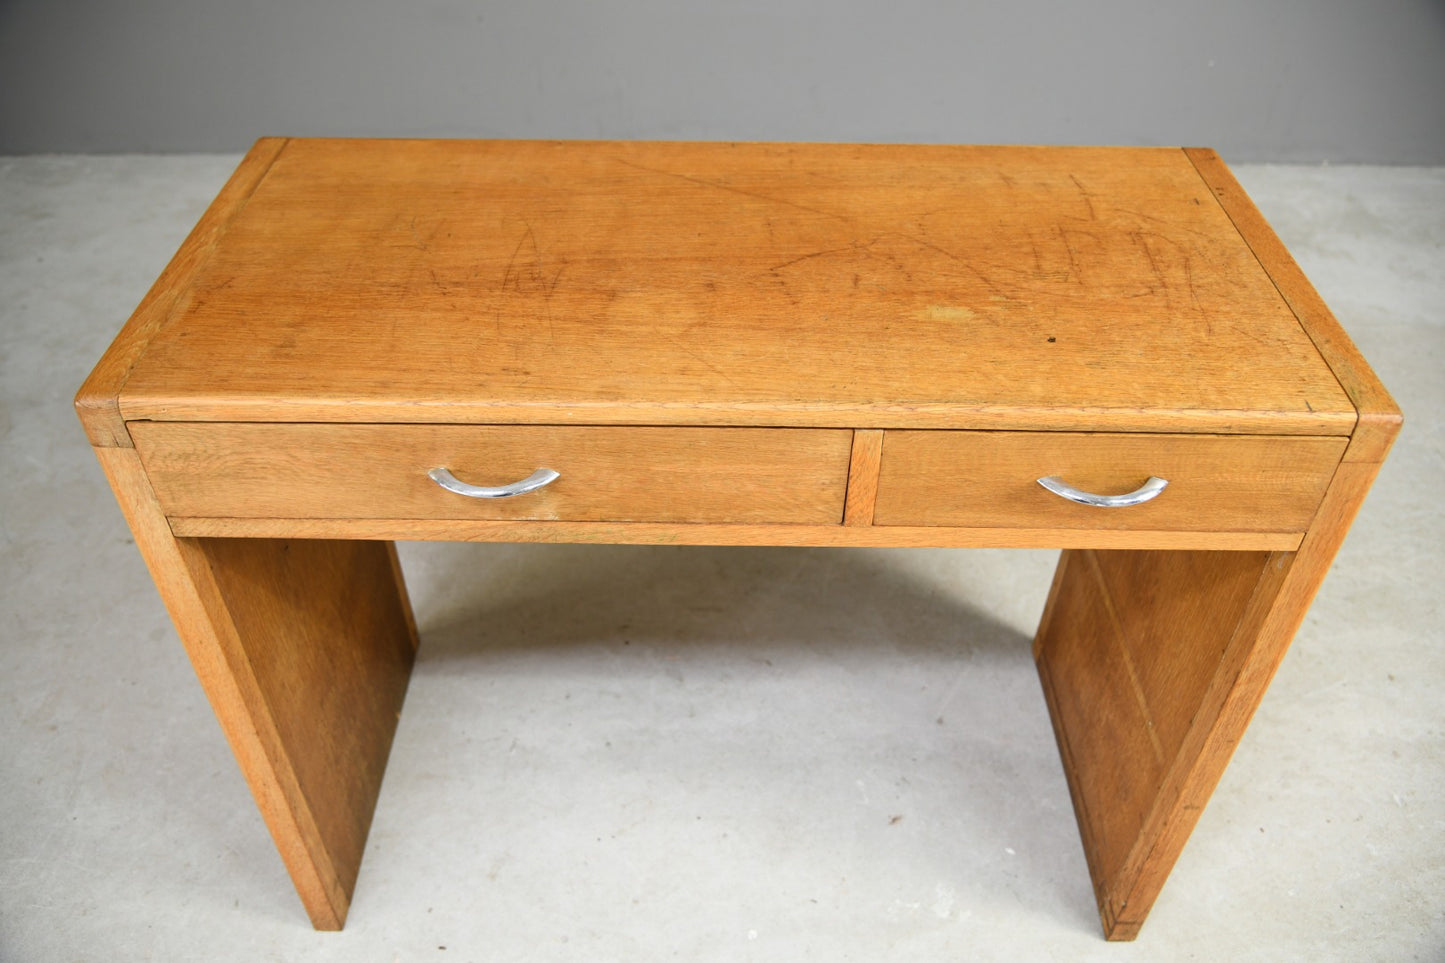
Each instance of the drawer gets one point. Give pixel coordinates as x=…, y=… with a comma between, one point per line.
x=1217, y=483
x=746, y=475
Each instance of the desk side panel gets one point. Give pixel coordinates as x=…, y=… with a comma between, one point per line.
x=304, y=650
x=1199, y=636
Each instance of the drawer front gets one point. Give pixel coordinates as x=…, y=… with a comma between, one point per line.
x=744, y=475
x=988, y=479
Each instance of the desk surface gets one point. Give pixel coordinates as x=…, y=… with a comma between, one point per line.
x=744, y=284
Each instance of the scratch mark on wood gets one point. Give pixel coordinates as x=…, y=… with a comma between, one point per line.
x=1069, y=249
x=703, y=361
x=1088, y=198
x=809, y=257
x=419, y=242
x=1143, y=243
x=1194, y=295
x=512, y=261
x=703, y=182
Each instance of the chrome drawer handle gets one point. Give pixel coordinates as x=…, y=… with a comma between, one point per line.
x=1150, y=489
x=534, y=481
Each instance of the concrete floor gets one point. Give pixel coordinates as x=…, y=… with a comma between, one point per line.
x=699, y=754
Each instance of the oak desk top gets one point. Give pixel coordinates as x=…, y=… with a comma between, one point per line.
x=728, y=284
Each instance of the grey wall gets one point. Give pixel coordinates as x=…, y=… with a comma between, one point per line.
x=1337, y=80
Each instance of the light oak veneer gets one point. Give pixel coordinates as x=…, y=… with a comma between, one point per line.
x=744, y=475
x=772, y=344
x=1217, y=483
x=761, y=284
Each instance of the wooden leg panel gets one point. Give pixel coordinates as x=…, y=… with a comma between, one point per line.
x=330, y=650
x=1152, y=664
x=304, y=649
x=1138, y=653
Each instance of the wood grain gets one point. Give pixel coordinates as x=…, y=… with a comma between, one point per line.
x=736, y=284
x=863, y=477
x=1379, y=417
x=1203, y=633
x=1128, y=656
x=329, y=645
x=1216, y=482
x=743, y=475
x=653, y=533
x=98, y=400
x=771, y=344
x=1198, y=635
x=304, y=650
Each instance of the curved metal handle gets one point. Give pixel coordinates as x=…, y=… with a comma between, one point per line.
x=1149, y=490
x=534, y=481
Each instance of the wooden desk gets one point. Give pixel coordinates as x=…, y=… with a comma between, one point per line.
x=714, y=344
